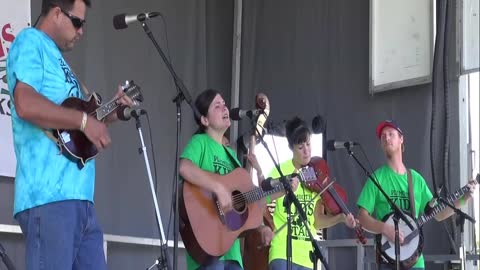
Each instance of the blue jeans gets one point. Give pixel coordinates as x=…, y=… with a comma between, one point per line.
x=279, y=264
x=222, y=265
x=62, y=236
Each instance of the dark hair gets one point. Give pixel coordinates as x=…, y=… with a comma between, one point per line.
x=297, y=131
x=202, y=103
x=66, y=5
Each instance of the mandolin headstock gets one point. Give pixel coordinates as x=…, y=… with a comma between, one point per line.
x=133, y=91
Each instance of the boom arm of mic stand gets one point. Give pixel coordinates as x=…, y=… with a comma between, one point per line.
x=389, y=200
x=183, y=92
x=457, y=211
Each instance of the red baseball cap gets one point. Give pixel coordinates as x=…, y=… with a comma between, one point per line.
x=387, y=123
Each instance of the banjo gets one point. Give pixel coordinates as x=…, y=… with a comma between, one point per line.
x=412, y=246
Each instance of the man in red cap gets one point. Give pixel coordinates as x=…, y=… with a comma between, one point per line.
x=393, y=178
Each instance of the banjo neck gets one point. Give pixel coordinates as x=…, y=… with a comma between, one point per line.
x=424, y=218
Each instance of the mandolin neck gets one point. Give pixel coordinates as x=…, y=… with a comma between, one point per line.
x=106, y=109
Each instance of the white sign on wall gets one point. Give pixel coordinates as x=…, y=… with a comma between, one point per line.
x=14, y=16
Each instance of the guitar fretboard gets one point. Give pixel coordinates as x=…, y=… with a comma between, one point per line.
x=257, y=193
x=306, y=175
x=440, y=206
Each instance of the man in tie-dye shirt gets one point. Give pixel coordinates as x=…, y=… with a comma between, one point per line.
x=53, y=196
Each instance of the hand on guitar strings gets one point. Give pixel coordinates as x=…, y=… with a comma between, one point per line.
x=97, y=132
x=389, y=231
x=223, y=197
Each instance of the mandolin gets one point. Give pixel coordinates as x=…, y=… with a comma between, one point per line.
x=73, y=143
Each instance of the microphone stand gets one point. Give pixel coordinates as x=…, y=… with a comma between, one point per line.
x=398, y=214
x=459, y=222
x=161, y=262
x=182, y=94
x=6, y=260
x=287, y=201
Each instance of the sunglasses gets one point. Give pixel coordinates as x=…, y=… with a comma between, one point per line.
x=76, y=21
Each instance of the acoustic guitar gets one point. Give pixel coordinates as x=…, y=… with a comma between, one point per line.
x=206, y=230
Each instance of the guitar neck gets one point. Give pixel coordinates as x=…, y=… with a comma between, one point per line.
x=306, y=175
x=257, y=193
x=440, y=206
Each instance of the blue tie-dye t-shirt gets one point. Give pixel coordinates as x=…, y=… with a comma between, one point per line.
x=43, y=175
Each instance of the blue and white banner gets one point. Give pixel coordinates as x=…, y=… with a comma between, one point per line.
x=14, y=16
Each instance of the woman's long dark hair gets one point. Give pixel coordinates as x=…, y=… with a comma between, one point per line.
x=202, y=103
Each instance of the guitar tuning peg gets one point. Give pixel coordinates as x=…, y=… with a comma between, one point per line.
x=125, y=85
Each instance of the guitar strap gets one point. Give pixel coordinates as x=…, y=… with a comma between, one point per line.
x=232, y=159
x=411, y=194
x=83, y=87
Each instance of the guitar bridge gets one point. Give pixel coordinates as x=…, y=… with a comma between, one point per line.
x=220, y=212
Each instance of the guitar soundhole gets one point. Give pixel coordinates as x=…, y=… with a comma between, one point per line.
x=238, y=202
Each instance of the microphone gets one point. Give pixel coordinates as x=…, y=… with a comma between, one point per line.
x=121, y=21
x=237, y=114
x=124, y=113
x=333, y=145
x=270, y=184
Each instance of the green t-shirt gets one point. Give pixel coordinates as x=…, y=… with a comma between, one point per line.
x=396, y=187
x=301, y=245
x=211, y=156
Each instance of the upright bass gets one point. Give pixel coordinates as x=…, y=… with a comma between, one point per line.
x=255, y=255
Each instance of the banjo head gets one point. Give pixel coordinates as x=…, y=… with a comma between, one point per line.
x=409, y=252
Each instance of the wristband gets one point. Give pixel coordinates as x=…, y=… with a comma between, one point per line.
x=84, y=122
x=269, y=200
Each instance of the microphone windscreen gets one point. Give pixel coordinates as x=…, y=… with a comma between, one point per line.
x=123, y=113
x=331, y=145
x=266, y=184
x=235, y=114
x=119, y=21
